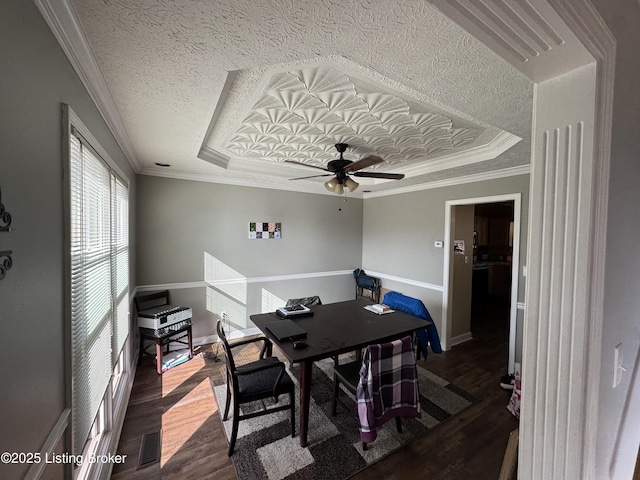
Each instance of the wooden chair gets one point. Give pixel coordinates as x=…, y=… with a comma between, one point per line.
x=254, y=381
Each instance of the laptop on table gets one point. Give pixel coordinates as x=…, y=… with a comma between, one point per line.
x=286, y=329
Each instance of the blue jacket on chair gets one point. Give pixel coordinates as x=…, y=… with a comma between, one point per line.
x=415, y=307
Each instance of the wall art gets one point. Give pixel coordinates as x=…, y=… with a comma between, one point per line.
x=260, y=230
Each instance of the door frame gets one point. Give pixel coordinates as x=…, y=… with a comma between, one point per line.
x=447, y=280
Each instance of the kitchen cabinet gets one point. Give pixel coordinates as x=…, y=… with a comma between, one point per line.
x=481, y=227
x=493, y=231
x=499, y=231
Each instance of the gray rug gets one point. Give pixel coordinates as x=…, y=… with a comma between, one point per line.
x=265, y=450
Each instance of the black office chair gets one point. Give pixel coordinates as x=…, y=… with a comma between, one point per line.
x=348, y=374
x=258, y=380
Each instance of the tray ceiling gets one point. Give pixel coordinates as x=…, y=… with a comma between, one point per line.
x=226, y=91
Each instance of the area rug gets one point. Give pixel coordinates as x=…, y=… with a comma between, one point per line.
x=265, y=450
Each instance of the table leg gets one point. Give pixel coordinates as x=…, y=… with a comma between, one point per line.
x=305, y=397
x=190, y=337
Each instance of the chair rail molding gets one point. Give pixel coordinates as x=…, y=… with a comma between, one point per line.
x=48, y=448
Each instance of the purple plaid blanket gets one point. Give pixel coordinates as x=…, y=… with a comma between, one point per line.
x=388, y=386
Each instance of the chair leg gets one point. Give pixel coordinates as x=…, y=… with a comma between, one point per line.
x=336, y=391
x=292, y=402
x=227, y=403
x=234, y=432
x=398, y=425
x=364, y=446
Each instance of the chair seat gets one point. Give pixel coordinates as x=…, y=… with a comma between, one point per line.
x=262, y=382
x=349, y=374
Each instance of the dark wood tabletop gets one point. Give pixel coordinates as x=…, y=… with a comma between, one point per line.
x=336, y=328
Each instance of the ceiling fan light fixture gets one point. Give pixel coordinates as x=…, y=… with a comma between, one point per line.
x=351, y=184
x=343, y=168
x=331, y=185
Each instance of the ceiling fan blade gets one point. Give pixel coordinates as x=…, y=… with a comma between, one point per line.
x=390, y=176
x=312, y=176
x=306, y=165
x=363, y=163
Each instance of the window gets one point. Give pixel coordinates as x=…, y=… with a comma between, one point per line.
x=99, y=281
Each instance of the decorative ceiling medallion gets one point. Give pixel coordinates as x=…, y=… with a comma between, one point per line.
x=300, y=115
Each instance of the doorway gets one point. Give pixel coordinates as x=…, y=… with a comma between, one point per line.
x=493, y=225
x=490, y=254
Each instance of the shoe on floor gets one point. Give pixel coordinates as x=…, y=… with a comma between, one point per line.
x=507, y=381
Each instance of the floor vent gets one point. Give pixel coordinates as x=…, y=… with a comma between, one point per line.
x=150, y=449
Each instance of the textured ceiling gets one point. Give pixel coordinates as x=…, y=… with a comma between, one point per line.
x=228, y=90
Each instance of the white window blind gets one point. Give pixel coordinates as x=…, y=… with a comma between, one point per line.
x=120, y=263
x=99, y=281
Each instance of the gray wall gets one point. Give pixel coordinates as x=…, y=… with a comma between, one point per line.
x=400, y=230
x=35, y=79
x=619, y=414
x=179, y=221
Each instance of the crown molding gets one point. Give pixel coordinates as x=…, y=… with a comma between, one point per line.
x=277, y=184
x=498, y=145
x=210, y=155
x=477, y=177
x=67, y=29
x=304, y=187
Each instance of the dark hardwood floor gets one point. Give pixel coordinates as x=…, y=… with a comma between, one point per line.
x=470, y=446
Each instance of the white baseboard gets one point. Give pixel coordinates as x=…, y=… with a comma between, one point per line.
x=457, y=340
x=244, y=333
x=207, y=339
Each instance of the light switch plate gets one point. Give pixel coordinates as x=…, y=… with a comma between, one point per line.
x=437, y=244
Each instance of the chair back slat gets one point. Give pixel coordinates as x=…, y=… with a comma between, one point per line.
x=306, y=301
x=231, y=366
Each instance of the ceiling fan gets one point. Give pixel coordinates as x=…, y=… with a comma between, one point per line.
x=342, y=168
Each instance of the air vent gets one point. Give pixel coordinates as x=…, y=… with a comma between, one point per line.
x=150, y=449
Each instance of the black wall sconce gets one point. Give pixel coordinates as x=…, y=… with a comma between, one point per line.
x=6, y=262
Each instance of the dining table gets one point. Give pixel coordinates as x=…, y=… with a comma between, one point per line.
x=332, y=329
